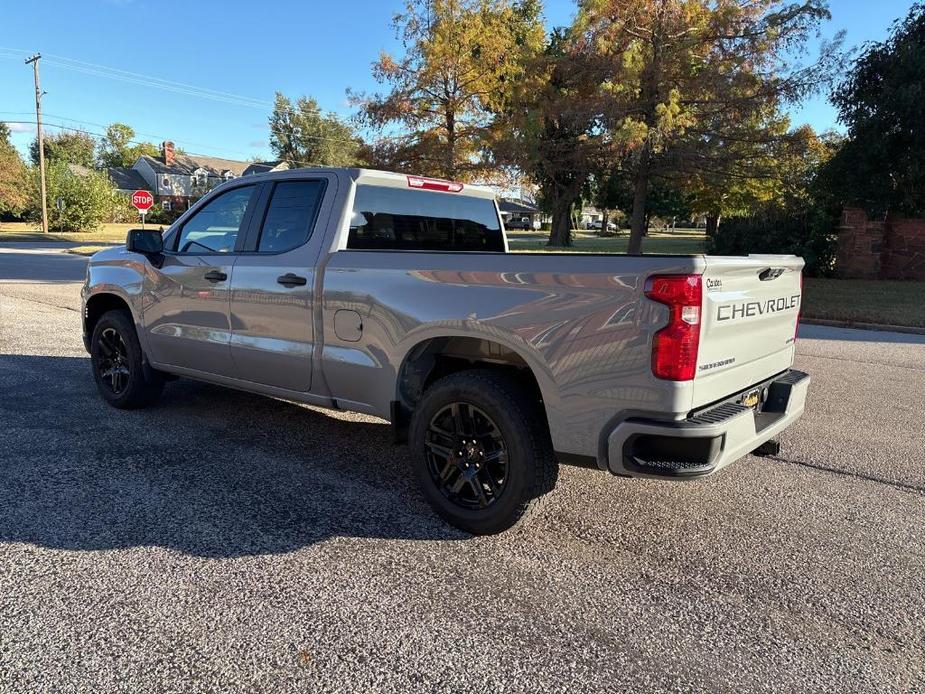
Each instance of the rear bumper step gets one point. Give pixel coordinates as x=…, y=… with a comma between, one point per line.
x=708, y=440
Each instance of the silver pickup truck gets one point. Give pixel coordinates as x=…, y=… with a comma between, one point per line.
x=396, y=296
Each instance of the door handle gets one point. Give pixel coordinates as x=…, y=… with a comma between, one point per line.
x=291, y=280
x=216, y=276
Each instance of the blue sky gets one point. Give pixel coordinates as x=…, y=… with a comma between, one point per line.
x=314, y=47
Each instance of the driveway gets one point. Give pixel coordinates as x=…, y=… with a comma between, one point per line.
x=224, y=541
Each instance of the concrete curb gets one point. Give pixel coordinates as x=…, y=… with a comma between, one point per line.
x=909, y=330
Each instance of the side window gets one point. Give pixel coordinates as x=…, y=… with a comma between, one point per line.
x=214, y=228
x=290, y=215
x=413, y=220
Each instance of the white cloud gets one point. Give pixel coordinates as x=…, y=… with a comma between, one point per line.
x=20, y=127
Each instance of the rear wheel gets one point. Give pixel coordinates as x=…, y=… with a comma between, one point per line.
x=122, y=377
x=482, y=453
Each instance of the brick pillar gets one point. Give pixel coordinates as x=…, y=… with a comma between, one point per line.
x=860, y=245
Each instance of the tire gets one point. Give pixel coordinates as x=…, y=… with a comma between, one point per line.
x=122, y=375
x=500, y=432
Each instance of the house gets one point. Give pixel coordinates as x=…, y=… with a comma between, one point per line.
x=126, y=180
x=178, y=180
x=519, y=214
x=590, y=215
x=259, y=167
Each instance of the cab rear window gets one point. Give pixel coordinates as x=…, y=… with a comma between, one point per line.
x=415, y=220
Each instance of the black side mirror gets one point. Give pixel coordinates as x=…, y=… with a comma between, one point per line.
x=146, y=241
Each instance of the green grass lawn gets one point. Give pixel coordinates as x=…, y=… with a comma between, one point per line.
x=849, y=301
x=680, y=242
x=865, y=301
x=22, y=231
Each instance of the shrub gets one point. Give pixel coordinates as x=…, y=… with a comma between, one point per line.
x=807, y=231
x=158, y=215
x=122, y=210
x=89, y=198
x=13, y=182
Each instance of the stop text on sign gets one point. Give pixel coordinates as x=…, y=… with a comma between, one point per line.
x=142, y=200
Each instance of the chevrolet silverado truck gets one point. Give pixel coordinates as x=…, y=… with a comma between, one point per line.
x=397, y=296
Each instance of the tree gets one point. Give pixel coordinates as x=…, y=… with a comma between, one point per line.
x=72, y=147
x=797, y=214
x=680, y=80
x=605, y=191
x=779, y=172
x=13, y=184
x=750, y=176
x=880, y=166
x=118, y=149
x=89, y=199
x=548, y=129
x=304, y=136
x=460, y=61
x=666, y=199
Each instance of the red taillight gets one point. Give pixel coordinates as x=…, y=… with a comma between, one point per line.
x=434, y=184
x=796, y=328
x=674, y=348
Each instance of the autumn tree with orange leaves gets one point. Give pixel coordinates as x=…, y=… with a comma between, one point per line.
x=459, y=61
x=693, y=88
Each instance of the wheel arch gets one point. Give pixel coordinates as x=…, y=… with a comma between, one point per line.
x=100, y=303
x=436, y=356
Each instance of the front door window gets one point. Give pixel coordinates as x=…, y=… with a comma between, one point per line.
x=215, y=227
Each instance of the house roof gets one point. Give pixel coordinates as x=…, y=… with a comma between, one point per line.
x=187, y=165
x=258, y=167
x=125, y=178
x=516, y=207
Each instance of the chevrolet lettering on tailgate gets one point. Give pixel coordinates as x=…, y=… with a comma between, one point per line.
x=748, y=309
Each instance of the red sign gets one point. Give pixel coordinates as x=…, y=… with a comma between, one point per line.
x=142, y=200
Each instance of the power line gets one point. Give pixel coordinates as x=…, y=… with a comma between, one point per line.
x=162, y=83
x=194, y=90
x=164, y=86
x=162, y=137
x=102, y=125
x=94, y=135
x=103, y=71
x=200, y=92
x=149, y=79
x=101, y=136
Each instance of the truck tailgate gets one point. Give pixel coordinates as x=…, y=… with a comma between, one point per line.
x=749, y=318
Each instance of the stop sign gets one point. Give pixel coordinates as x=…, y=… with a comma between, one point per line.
x=142, y=200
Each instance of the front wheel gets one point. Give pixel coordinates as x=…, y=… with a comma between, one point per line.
x=483, y=456
x=122, y=377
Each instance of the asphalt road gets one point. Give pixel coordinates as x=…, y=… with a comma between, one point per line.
x=222, y=541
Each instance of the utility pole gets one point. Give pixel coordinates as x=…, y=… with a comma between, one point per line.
x=38, y=125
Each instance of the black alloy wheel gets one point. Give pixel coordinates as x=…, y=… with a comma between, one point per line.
x=123, y=377
x=113, y=364
x=467, y=458
x=482, y=451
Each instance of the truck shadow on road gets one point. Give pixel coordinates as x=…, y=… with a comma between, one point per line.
x=208, y=471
